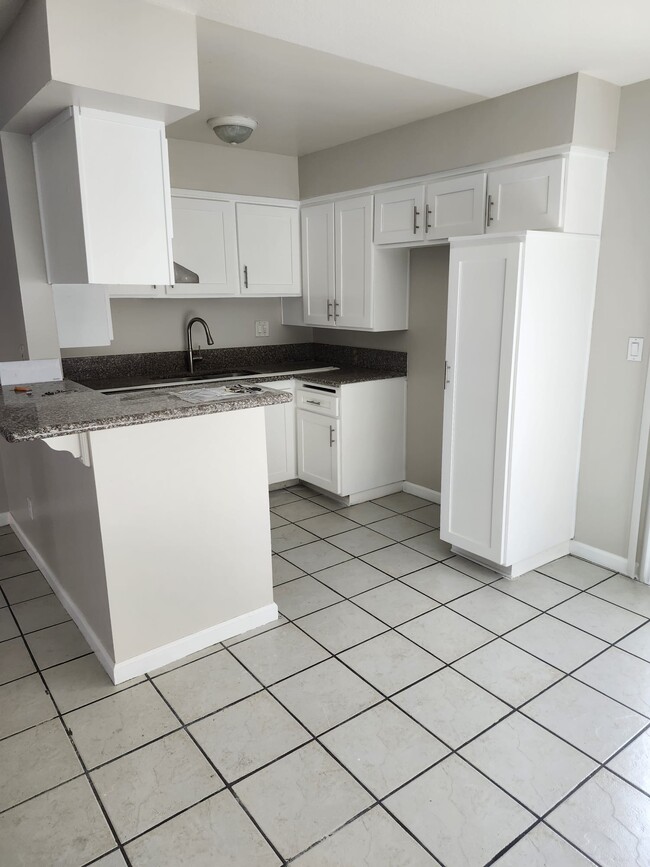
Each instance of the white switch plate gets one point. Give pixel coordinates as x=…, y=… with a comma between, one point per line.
x=261, y=328
x=635, y=349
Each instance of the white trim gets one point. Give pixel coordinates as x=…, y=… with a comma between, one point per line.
x=5, y=518
x=372, y=493
x=423, y=493
x=522, y=566
x=152, y=659
x=175, y=650
x=636, y=530
x=606, y=559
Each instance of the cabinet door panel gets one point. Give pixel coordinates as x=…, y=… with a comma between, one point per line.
x=318, y=450
x=317, y=233
x=399, y=216
x=268, y=239
x=455, y=206
x=205, y=242
x=528, y=196
x=353, y=297
x=281, y=436
x=483, y=287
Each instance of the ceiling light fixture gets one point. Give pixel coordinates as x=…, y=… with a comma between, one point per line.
x=233, y=128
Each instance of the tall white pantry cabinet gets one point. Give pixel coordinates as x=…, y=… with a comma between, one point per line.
x=518, y=335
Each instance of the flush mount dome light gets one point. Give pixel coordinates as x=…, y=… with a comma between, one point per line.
x=233, y=128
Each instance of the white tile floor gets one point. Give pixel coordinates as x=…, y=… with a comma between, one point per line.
x=409, y=708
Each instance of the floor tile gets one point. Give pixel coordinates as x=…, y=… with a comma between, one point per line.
x=62, y=827
x=508, y=672
x=395, y=603
x=301, y=798
x=536, y=589
x=633, y=762
x=16, y=564
x=620, y=676
x=283, y=570
x=390, y=662
x=441, y=583
x=363, y=540
x=24, y=703
x=325, y=695
x=474, y=570
x=542, y=847
x=384, y=748
x=153, y=783
x=493, y=610
x=574, y=571
x=114, y=859
x=209, y=684
x=401, y=502
x=259, y=630
x=303, y=491
x=430, y=544
x=400, y=527
x=366, y=513
x=446, y=634
x=39, y=613
x=10, y=544
x=113, y=726
x=341, y=626
x=279, y=653
x=288, y=537
x=374, y=839
x=328, y=524
x=15, y=661
x=556, y=642
x=608, y=820
x=281, y=496
x=398, y=560
x=81, y=681
x=528, y=762
x=638, y=642
x=352, y=577
x=328, y=502
x=277, y=521
x=596, y=724
x=451, y=707
x=426, y=514
x=216, y=828
x=316, y=556
x=24, y=587
x=35, y=760
x=440, y=806
x=622, y=590
x=299, y=511
x=57, y=644
x=249, y=734
x=8, y=628
x=302, y=596
x=597, y=617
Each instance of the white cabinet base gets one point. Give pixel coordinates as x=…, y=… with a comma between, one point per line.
x=523, y=566
x=351, y=499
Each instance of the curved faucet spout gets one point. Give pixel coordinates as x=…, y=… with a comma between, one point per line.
x=191, y=356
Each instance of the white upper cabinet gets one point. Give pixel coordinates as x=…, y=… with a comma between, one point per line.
x=205, y=241
x=317, y=231
x=353, y=301
x=104, y=198
x=399, y=215
x=268, y=241
x=455, y=206
x=527, y=196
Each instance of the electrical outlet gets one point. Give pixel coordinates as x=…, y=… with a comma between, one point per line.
x=30, y=508
x=261, y=328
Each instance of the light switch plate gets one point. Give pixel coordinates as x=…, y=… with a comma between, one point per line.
x=261, y=328
x=635, y=349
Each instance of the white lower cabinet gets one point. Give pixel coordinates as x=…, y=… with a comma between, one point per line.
x=281, y=435
x=318, y=450
x=518, y=336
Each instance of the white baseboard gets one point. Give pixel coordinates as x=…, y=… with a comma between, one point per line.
x=606, y=559
x=159, y=656
x=419, y=491
x=4, y=518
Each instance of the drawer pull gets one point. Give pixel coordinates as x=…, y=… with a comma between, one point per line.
x=315, y=402
x=331, y=436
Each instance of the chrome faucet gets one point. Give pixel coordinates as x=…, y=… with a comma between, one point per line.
x=191, y=357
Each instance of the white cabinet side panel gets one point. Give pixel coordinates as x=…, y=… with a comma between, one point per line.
x=281, y=436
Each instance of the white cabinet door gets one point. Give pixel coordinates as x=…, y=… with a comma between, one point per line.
x=483, y=289
x=455, y=206
x=527, y=196
x=399, y=215
x=205, y=241
x=281, y=436
x=268, y=238
x=317, y=234
x=353, y=294
x=318, y=450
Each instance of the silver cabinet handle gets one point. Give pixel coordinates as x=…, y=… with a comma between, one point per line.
x=416, y=214
x=447, y=372
x=246, y=276
x=489, y=217
x=330, y=305
x=427, y=222
x=337, y=310
x=331, y=436
x=315, y=402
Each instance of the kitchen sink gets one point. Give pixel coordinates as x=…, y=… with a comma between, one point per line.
x=212, y=374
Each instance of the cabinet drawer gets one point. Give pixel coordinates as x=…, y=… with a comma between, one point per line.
x=325, y=402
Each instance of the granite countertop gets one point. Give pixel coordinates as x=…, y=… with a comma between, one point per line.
x=58, y=408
